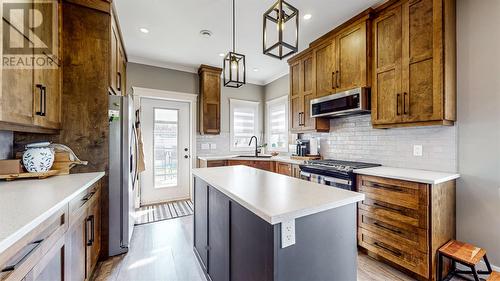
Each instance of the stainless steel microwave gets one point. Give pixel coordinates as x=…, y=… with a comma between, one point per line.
x=355, y=101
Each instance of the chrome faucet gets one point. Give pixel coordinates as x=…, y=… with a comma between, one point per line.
x=256, y=149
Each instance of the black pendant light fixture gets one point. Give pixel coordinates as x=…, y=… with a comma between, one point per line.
x=234, y=64
x=284, y=21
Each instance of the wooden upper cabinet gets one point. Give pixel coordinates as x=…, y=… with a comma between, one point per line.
x=210, y=87
x=326, y=67
x=386, y=90
x=118, y=60
x=414, y=64
x=303, y=90
x=352, y=55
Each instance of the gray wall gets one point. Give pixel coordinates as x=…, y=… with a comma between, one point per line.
x=478, y=190
x=277, y=88
x=139, y=75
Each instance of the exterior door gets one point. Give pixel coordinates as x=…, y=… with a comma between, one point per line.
x=167, y=150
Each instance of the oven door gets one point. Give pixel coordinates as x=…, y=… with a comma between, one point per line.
x=336, y=182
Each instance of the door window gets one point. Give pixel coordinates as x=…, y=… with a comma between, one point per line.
x=165, y=143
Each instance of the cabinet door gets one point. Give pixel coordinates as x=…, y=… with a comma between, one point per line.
x=218, y=235
x=352, y=58
x=77, y=241
x=211, y=102
x=47, y=86
x=264, y=165
x=284, y=168
x=386, y=91
x=308, y=123
x=17, y=83
x=93, y=232
x=115, y=67
x=123, y=72
x=51, y=265
x=422, y=93
x=307, y=76
x=326, y=59
x=201, y=220
x=296, y=112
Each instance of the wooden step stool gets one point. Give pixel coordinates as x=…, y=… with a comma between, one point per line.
x=465, y=254
x=495, y=276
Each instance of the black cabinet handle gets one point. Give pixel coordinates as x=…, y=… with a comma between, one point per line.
x=88, y=196
x=44, y=92
x=40, y=111
x=90, y=219
x=405, y=94
x=386, y=207
x=396, y=253
x=30, y=248
x=119, y=86
x=398, y=101
x=388, y=228
x=333, y=80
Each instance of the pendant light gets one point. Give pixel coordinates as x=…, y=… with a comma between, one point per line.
x=234, y=64
x=284, y=19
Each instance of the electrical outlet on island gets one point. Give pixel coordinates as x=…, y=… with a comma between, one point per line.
x=417, y=150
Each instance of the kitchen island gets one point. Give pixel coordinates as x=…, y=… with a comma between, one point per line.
x=251, y=224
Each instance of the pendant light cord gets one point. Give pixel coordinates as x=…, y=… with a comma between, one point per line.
x=234, y=27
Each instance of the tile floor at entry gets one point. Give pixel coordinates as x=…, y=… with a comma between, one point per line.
x=163, y=251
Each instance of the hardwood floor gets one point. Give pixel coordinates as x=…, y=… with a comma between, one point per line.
x=163, y=251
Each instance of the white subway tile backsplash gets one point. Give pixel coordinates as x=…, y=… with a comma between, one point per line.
x=353, y=138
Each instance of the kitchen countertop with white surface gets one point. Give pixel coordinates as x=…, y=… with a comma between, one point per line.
x=285, y=159
x=415, y=175
x=273, y=197
x=24, y=204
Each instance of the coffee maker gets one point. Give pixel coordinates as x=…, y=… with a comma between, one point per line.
x=303, y=147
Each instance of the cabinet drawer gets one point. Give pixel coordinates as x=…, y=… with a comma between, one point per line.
x=216, y=163
x=81, y=199
x=248, y=163
x=20, y=258
x=409, y=235
x=263, y=165
x=396, y=192
x=395, y=214
x=393, y=250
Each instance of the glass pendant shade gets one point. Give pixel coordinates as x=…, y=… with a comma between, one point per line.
x=281, y=30
x=234, y=70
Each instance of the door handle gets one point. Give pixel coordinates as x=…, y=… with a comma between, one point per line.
x=44, y=92
x=30, y=248
x=119, y=83
x=333, y=80
x=186, y=156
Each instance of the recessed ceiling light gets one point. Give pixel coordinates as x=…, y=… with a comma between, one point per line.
x=144, y=30
x=307, y=16
x=255, y=69
x=206, y=33
x=221, y=54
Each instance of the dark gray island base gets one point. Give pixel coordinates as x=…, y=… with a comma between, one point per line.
x=233, y=243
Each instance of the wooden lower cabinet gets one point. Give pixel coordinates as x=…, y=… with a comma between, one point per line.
x=65, y=246
x=405, y=222
x=284, y=168
x=287, y=169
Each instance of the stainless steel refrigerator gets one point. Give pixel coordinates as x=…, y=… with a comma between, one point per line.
x=122, y=172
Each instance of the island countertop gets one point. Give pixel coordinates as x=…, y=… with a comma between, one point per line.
x=24, y=204
x=273, y=197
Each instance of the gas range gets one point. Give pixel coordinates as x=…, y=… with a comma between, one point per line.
x=332, y=172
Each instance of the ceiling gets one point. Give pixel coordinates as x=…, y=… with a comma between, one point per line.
x=174, y=39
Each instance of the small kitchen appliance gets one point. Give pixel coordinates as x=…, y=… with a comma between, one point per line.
x=303, y=147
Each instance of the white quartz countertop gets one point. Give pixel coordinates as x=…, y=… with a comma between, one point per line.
x=415, y=175
x=24, y=204
x=273, y=197
x=285, y=159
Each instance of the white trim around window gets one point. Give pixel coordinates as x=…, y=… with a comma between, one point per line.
x=244, y=122
x=277, y=124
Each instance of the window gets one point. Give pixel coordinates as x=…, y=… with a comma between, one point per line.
x=244, y=123
x=277, y=124
x=165, y=147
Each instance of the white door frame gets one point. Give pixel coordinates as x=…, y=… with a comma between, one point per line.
x=192, y=99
